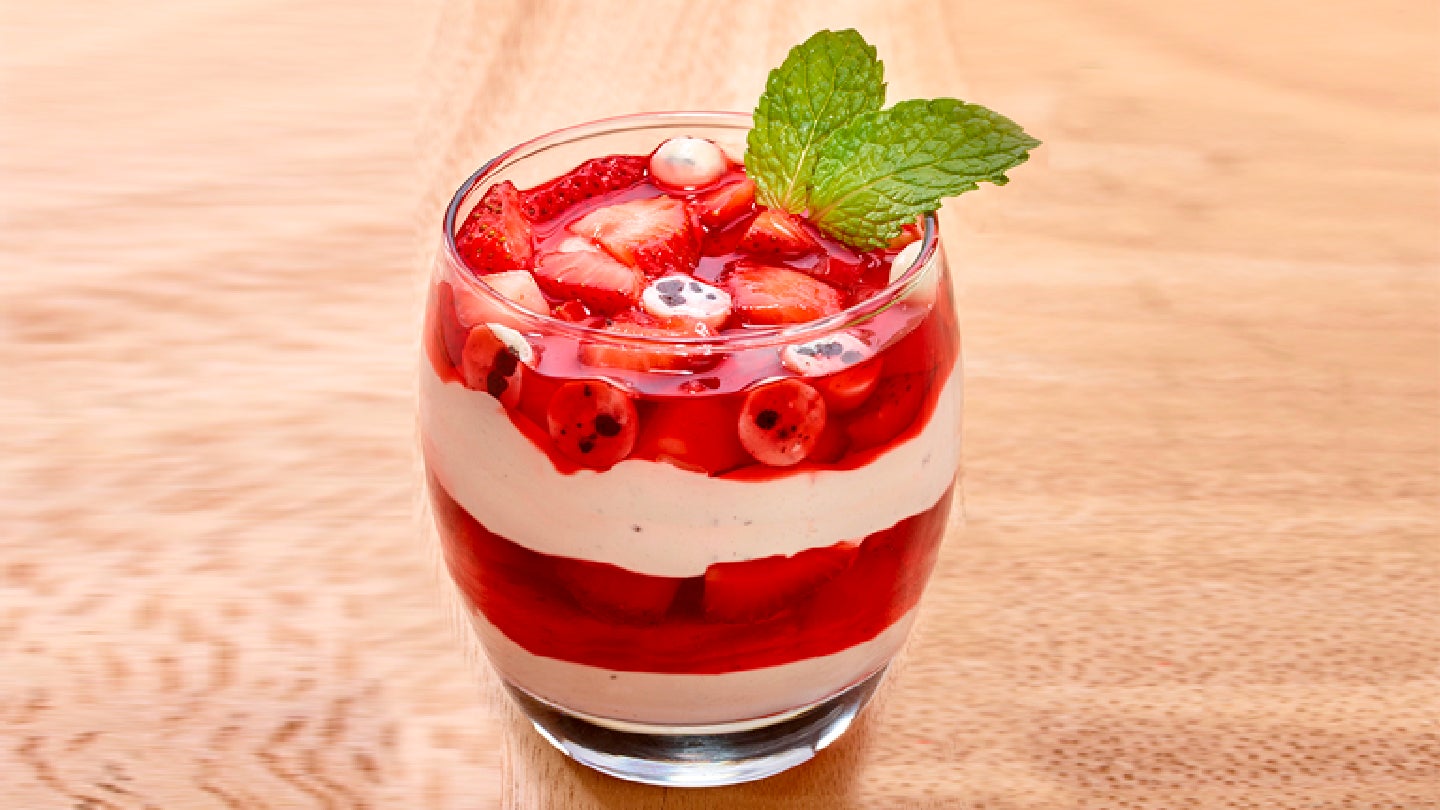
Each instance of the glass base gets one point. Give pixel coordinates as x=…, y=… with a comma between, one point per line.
x=708, y=756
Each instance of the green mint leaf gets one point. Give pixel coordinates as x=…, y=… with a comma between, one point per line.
x=824, y=82
x=882, y=169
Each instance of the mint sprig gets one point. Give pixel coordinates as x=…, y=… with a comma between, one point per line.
x=882, y=169
x=821, y=143
x=824, y=83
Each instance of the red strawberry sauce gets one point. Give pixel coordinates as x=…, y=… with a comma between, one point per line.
x=639, y=623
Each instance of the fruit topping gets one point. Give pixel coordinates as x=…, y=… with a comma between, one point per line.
x=581, y=271
x=496, y=236
x=768, y=295
x=653, y=234
x=491, y=361
x=825, y=355
x=687, y=163
x=519, y=286
x=718, y=208
x=590, y=179
x=891, y=407
x=638, y=356
x=614, y=593
x=776, y=233
x=756, y=589
x=781, y=421
x=682, y=300
x=592, y=422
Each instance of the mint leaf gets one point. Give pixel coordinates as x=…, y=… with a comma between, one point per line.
x=882, y=169
x=824, y=82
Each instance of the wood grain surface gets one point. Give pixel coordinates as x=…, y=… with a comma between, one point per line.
x=1201, y=562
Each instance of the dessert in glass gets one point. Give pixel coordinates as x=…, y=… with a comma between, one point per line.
x=690, y=413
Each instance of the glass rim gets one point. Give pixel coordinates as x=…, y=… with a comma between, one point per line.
x=851, y=316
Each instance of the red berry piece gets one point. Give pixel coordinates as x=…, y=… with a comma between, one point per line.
x=780, y=422
x=496, y=236
x=491, y=361
x=585, y=273
x=757, y=589
x=719, y=208
x=766, y=295
x=590, y=179
x=891, y=408
x=653, y=235
x=593, y=423
x=637, y=356
x=776, y=233
x=614, y=593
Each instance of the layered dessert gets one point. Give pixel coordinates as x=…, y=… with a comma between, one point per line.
x=691, y=456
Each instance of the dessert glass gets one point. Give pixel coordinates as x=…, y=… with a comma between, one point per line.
x=688, y=616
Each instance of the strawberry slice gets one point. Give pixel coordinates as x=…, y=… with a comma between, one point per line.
x=496, y=235
x=614, y=593
x=590, y=276
x=780, y=422
x=590, y=179
x=653, y=235
x=719, y=208
x=776, y=233
x=757, y=589
x=767, y=295
x=518, y=286
x=638, y=357
x=592, y=422
x=891, y=407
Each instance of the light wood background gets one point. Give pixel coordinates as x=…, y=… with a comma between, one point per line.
x=1202, y=559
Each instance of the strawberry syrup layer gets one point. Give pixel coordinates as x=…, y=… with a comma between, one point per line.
x=737, y=616
x=689, y=418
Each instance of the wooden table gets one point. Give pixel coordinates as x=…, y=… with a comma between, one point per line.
x=1202, y=482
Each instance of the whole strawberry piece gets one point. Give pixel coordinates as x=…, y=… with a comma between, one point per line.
x=496, y=236
x=590, y=179
x=653, y=235
x=768, y=295
x=593, y=423
x=780, y=422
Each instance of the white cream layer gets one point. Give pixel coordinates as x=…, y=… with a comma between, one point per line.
x=655, y=518
x=688, y=700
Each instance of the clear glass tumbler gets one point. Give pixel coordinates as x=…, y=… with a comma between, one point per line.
x=686, y=613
